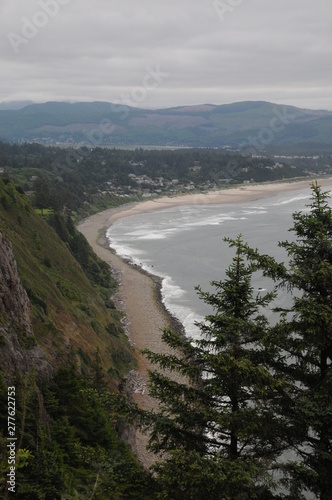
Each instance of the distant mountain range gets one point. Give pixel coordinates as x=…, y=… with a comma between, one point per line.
x=252, y=125
x=5, y=106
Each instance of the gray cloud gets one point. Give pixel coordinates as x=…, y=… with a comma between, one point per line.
x=256, y=49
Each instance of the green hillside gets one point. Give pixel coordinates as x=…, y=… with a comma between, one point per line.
x=239, y=125
x=68, y=445
x=64, y=302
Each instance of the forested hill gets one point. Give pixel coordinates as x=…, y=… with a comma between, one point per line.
x=64, y=351
x=243, y=124
x=87, y=180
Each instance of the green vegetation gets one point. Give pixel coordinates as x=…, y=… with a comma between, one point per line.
x=249, y=414
x=68, y=285
x=247, y=395
x=102, y=123
x=67, y=442
x=75, y=452
x=87, y=180
x=304, y=342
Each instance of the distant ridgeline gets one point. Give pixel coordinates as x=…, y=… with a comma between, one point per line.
x=62, y=351
x=255, y=124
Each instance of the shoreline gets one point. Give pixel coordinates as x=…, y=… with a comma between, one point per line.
x=239, y=194
x=139, y=298
x=174, y=323
x=139, y=295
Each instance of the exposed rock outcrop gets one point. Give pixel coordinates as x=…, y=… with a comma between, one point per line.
x=18, y=349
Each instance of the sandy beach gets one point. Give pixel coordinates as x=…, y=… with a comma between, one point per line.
x=138, y=292
x=244, y=193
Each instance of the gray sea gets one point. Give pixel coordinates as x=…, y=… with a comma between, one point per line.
x=184, y=245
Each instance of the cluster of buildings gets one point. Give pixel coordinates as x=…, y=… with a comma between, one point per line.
x=145, y=187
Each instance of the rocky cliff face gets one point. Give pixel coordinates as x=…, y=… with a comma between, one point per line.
x=18, y=349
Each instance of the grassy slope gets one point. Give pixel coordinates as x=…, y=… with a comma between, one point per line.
x=67, y=427
x=68, y=314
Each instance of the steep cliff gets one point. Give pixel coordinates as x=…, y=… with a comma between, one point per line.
x=50, y=311
x=18, y=352
x=63, y=349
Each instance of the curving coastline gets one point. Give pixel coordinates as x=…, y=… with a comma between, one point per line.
x=139, y=292
x=139, y=297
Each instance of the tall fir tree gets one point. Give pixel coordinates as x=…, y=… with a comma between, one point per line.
x=215, y=421
x=304, y=342
x=310, y=345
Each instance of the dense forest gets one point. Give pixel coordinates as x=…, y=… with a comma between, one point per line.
x=87, y=180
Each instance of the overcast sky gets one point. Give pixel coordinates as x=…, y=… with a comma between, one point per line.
x=150, y=53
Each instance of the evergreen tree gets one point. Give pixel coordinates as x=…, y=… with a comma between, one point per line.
x=310, y=345
x=304, y=337
x=215, y=418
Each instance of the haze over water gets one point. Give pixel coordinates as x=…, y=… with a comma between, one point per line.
x=184, y=245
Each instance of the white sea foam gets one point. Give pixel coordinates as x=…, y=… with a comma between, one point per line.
x=292, y=200
x=254, y=212
x=153, y=236
x=147, y=231
x=133, y=255
x=173, y=298
x=170, y=290
x=188, y=250
x=190, y=327
x=212, y=221
x=128, y=252
x=138, y=233
x=172, y=294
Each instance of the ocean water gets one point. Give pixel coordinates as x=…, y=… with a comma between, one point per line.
x=184, y=245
